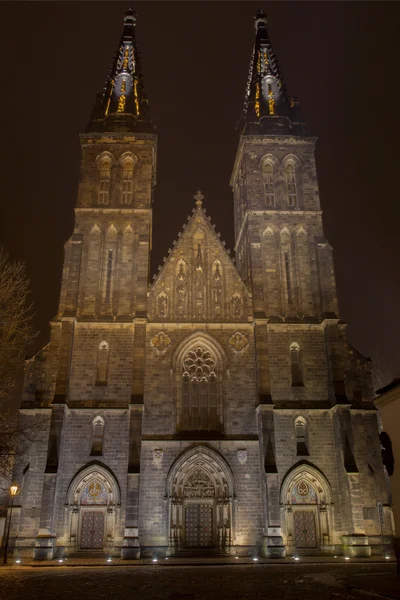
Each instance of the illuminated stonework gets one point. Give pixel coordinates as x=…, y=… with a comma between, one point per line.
x=217, y=406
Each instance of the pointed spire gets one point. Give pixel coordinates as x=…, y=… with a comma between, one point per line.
x=123, y=105
x=267, y=107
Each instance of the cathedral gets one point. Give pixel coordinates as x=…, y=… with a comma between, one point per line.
x=217, y=409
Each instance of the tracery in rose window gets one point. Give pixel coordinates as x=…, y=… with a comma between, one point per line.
x=199, y=390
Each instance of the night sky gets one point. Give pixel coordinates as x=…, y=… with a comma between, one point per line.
x=339, y=58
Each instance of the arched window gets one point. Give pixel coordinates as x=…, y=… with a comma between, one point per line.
x=199, y=390
x=295, y=364
x=102, y=363
x=105, y=176
x=268, y=178
x=291, y=186
x=127, y=182
x=97, y=436
x=300, y=426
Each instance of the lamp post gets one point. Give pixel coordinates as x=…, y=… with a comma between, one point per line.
x=14, y=490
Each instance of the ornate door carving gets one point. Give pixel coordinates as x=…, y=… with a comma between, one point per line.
x=92, y=530
x=198, y=526
x=305, y=533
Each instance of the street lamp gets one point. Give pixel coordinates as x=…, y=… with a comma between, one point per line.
x=14, y=490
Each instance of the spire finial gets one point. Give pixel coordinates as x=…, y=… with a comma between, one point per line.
x=130, y=17
x=260, y=17
x=199, y=198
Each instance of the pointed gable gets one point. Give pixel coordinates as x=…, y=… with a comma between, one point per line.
x=198, y=281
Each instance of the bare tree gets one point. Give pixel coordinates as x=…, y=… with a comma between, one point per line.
x=15, y=335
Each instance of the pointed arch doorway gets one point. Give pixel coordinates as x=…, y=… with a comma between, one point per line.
x=93, y=499
x=307, y=517
x=200, y=492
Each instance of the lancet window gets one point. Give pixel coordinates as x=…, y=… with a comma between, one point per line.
x=199, y=390
x=295, y=363
x=105, y=176
x=291, y=185
x=268, y=177
x=127, y=182
x=300, y=426
x=97, y=436
x=102, y=363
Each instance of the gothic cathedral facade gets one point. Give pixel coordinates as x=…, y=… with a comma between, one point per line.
x=220, y=408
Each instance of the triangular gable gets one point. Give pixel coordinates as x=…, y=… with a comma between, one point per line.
x=199, y=281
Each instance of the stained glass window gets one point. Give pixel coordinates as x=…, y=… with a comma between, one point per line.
x=199, y=390
x=94, y=493
x=303, y=493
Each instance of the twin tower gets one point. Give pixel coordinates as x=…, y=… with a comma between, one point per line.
x=220, y=408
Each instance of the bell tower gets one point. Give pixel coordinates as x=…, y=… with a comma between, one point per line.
x=105, y=275
x=281, y=250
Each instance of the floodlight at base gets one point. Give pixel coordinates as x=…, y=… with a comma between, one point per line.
x=155, y=560
x=60, y=560
x=109, y=560
x=296, y=558
x=236, y=558
x=18, y=561
x=387, y=557
x=255, y=559
x=347, y=558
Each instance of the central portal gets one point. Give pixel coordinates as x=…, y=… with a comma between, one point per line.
x=198, y=526
x=199, y=487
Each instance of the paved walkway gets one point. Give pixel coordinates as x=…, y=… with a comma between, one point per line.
x=281, y=580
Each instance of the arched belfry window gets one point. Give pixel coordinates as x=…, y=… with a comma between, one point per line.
x=102, y=363
x=105, y=177
x=268, y=179
x=127, y=181
x=97, y=436
x=291, y=184
x=300, y=426
x=199, y=390
x=295, y=365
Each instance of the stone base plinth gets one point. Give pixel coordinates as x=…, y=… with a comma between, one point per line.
x=356, y=545
x=272, y=547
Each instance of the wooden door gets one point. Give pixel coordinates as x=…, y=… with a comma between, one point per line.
x=198, y=526
x=92, y=529
x=305, y=533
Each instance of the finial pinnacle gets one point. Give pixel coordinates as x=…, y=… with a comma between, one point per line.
x=199, y=198
x=130, y=17
x=260, y=17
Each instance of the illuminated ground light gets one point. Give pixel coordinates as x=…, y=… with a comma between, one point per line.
x=18, y=561
x=296, y=558
x=60, y=560
x=347, y=558
x=387, y=557
x=236, y=558
x=255, y=559
x=155, y=560
x=109, y=559
x=166, y=558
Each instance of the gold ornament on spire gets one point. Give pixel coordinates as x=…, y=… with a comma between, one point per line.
x=199, y=198
x=121, y=104
x=271, y=102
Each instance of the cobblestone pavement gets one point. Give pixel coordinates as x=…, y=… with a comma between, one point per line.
x=156, y=582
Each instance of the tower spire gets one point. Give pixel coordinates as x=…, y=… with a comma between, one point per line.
x=267, y=107
x=123, y=105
